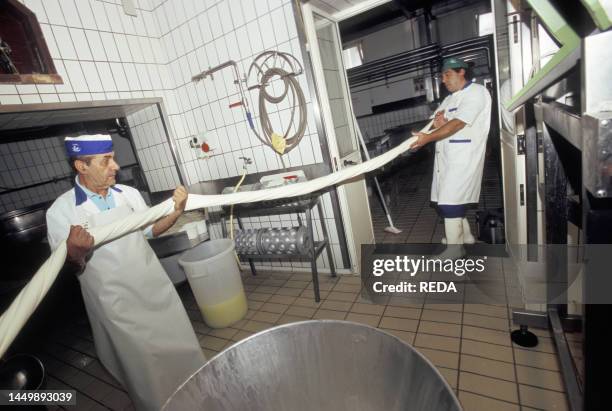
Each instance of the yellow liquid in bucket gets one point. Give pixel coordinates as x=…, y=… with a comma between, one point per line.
x=225, y=313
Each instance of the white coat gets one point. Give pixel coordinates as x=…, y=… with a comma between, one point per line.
x=141, y=331
x=459, y=158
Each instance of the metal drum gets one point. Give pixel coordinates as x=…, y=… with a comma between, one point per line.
x=280, y=241
x=324, y=365
x=246, y=241
x=289, y=240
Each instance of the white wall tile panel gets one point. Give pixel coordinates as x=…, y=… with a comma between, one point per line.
x=95, y=45
x=128, y=22
x=254, y=36
x=214, y=20
x=50, y=40
x=71, y=14
x=119, y=76
x=112, y=11
x=110, y=46
x=146, y=47
x=30, y=98
x=83, y=96
x=64, y=42
x=91, y=74
x=54, y=12
x=179, y=9
x=169, y=10
x=123, y=48
x=49, y=98
x=26, y=88
x=227, y=24
x=204, y=27
x=132, y=76
x=37, y=8
x=8, y=89
x=261, y=8
x=68, y=97
x=86, y=15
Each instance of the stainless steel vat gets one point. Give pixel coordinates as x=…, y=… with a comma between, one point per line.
x=317, y=365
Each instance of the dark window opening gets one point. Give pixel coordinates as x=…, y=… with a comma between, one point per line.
x=24, y=56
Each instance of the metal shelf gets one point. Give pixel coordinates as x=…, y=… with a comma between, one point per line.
x=296, y=205
x=319, y=246
x=264, y=208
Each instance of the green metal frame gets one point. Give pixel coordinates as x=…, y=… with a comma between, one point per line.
x=561, y=62
x=600, y=16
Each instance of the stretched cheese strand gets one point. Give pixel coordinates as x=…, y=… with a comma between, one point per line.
x=15, y=317
x=195, y=201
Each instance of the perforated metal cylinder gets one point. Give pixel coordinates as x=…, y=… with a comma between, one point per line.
x=288, y=240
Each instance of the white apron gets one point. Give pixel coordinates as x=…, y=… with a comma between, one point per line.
x=141, y=330
x=459, y=159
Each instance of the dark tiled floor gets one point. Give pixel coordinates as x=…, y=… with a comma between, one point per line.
x=407, y=186
x=468, y=343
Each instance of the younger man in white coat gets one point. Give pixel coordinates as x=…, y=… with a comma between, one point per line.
x=460, y=130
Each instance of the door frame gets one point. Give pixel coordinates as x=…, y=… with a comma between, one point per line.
x=314, y=51
x=321, y=136
x=308, y=10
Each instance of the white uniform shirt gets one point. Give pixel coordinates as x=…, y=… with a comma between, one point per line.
x=63, y=212
x=459, y=158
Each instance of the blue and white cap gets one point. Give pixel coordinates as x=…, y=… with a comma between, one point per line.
x=88, y=145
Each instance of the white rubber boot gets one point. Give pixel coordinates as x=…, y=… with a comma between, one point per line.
x=453, y=227
x=468, y=238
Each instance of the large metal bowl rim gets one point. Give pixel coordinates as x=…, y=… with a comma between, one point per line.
x=298, y=323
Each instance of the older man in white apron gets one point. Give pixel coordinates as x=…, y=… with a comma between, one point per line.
x=141, y=331
x=460, y=130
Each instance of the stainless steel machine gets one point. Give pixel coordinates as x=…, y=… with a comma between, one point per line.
x=556, y=113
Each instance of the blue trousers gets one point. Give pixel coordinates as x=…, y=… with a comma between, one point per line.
x=452, y=211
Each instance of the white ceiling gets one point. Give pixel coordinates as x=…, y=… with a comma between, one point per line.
x=339, y=8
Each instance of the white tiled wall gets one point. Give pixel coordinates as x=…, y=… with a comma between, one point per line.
x=153, y=149
x=103, y=54
x=202, y=35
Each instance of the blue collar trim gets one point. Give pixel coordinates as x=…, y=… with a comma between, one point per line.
x=80, y=194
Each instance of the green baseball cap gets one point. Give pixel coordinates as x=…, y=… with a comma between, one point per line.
x=453, y=63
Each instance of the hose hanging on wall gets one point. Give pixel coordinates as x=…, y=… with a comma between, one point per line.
x=267, y=66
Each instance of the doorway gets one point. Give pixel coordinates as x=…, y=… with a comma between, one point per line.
x=391, y=53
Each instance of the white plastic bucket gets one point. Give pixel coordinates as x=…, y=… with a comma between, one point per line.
x=214, y=277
